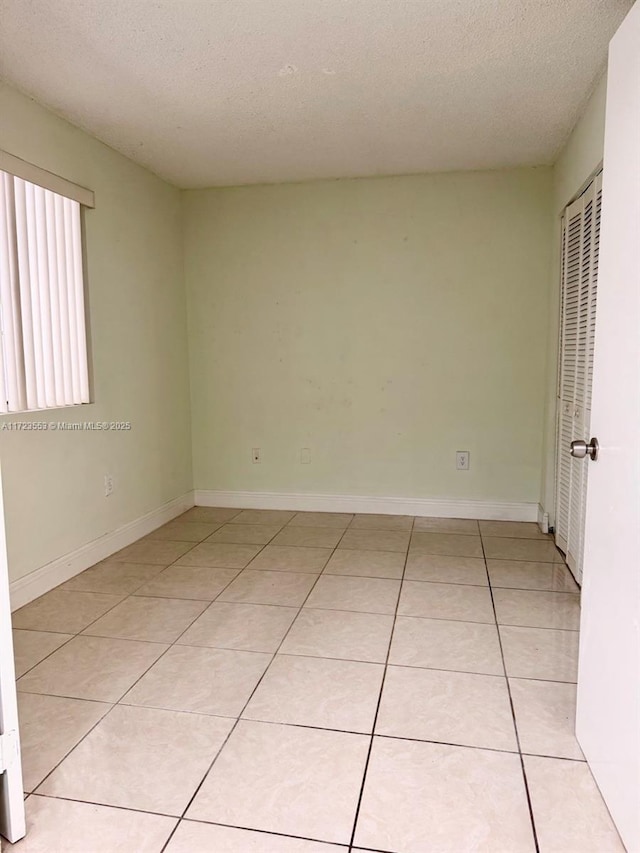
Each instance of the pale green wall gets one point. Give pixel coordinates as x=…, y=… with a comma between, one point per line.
x=579, y=159
x=53, y=482
x=383, y=323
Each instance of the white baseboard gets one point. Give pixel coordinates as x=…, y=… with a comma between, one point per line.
x=543, y=519
x=428, y=507
x=47, y=577
x=36, y=583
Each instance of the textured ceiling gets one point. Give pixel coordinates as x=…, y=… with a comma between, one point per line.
x=211, y=92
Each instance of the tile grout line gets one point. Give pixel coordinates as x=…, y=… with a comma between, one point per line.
x=267, y=832
x=377, y=711
x=298, y=654
x=135, y=592
x=87, y=733
x=219, y=752
x=120, y=640
x=233, y=727
x=210, y=601
x=46, y=657
x=513, y=713
x=101, y=805
x=244, y=707
x=112, y=704
x=68, y=753
x=328, y=729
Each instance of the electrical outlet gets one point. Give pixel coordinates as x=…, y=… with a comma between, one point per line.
x=462, y=460
x=255, y=455
x=108, y=485
x=305, y=456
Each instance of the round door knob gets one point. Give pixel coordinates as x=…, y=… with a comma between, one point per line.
x=580, y=449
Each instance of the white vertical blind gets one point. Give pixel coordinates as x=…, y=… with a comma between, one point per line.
x=12, y=387
x=579, y=270
x=44, y=350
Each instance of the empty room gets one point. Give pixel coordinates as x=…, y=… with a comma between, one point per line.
x=319, y=396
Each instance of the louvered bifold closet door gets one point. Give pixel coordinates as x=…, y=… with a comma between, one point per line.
x=581, y=235
x=569, y=321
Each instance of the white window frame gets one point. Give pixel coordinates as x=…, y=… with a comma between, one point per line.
x=44, y=353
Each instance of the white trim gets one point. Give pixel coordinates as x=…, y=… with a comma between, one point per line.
x=36, y=175
x=428, y=507
x=47, y=577
x=12, y=816
x=543, y=519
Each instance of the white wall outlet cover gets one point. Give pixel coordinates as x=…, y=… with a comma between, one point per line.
x=462, y=460
x=305, y=456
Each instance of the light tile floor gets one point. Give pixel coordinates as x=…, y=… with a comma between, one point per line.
x=283, y=682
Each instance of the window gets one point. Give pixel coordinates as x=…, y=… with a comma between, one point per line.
x=44, y=347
